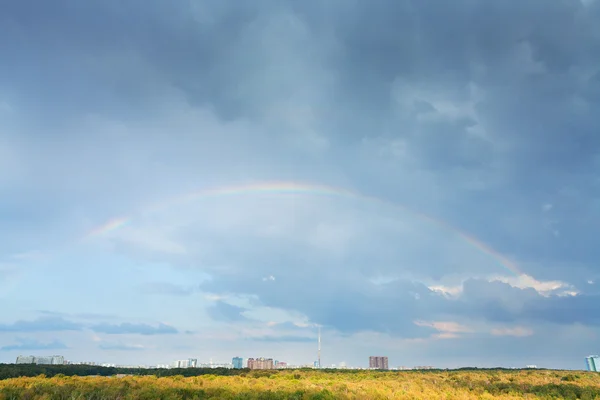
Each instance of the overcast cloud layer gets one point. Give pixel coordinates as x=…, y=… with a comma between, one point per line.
x=470, y=129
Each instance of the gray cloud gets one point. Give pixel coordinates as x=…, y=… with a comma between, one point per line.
x=32, y=344
x=359, y=309
x=221, y=311
x=119, y=347
x=45, y=324
x=129, y=328
x=284, y=339
x=500, y=302
x=84, y=316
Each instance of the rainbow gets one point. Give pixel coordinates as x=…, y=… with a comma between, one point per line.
x=282, y=188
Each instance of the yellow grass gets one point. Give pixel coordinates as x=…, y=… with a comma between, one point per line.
x=315, y=385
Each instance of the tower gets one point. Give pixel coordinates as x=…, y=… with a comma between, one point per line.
x=319, y=350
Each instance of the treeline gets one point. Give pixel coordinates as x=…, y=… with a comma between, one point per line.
x=29, y=370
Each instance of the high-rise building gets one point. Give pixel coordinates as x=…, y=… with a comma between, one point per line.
x=25, y=360
x=185, y=363
x=378, y=362
x=43, y=360
x=593, y=363
x=260, y=363
x=57, y=360
x=192, y=362
x=238, y=362
x=50, y=360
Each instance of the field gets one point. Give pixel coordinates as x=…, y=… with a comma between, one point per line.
x=371, y=385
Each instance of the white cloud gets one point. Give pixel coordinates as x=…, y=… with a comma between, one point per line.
x=450, y=291
x=445, y=326
x=522, y=281
x=544, y=288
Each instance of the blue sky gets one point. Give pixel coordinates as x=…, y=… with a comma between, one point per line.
x=482, y=115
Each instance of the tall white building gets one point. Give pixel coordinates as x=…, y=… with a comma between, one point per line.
x=181, y=364
x=58, y=360
x=593, y=363
x=25, y=360
x=43, y=360
x=50, y=360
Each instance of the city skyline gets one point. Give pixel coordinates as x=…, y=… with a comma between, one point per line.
x=216, y=178
x=374, y=362
x=260, y=363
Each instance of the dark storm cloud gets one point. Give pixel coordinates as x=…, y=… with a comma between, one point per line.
x=565, y=310
x=500, y=302
x=389, y=308
x=443, y=47
x=535, y=65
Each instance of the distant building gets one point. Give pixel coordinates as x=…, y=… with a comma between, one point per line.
x=26, y=360
x=50, y=360
x=216, y=365
x=593, y=363
x=260, y=363
x=189, y=363
x=43, y=360
x=182, y=363
x=58, y=360
x=238, y=362
x=378, y=362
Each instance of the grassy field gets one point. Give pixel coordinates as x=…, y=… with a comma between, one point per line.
x=369, y=385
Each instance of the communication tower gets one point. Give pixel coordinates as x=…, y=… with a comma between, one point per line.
x=319, y=350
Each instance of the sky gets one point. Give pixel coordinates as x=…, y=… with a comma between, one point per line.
x=215, y=178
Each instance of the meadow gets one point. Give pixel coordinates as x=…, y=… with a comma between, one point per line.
x=308, y=384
